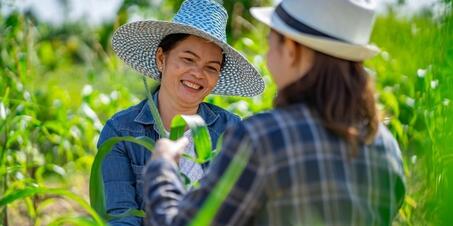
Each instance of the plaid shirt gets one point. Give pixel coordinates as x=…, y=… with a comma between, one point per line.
x=298, y=174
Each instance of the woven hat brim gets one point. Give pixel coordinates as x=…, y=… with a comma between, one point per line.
x=136, y=44
x=343, y=50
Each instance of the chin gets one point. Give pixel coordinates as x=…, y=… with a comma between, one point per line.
x=190, y=101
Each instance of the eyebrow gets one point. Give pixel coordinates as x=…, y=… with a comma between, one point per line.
x=194, y=54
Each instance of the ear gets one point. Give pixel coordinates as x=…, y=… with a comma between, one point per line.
x=160, y=59
x=308, y=56
x=291, y=51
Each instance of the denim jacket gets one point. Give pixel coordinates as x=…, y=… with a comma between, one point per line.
x=122, y=168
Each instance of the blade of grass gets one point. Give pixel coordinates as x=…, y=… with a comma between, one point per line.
x=155, y=112
x=128, y=213
x=72, y=220
x=200, y=134
x=3, y=154
x=178, y=125
x=31, y=191
x=97, y=195
x=215, y=152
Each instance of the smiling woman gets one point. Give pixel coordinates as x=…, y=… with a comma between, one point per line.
x=191, y=59
x=190, y=69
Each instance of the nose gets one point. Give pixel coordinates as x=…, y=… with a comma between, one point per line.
x=198, y=72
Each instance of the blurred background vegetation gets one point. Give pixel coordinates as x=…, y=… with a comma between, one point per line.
x=60, y=81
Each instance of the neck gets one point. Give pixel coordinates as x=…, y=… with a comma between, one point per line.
x=169, y=107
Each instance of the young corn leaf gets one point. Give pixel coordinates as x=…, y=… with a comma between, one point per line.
x=4, y=117
x=178, y=125
x=72, y=220
x=97, y=195
x=128, y=213
x=155, y=112
x=215, y=152
x=200, y=134
x=31, y=191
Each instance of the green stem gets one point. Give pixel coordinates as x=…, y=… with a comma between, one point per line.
x=97, y=191
x=155, y=112
x=4, y=212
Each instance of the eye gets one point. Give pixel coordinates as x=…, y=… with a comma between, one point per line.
x=212, y=69
x=187, y=60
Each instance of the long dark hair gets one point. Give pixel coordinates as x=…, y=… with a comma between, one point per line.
x=340, y=92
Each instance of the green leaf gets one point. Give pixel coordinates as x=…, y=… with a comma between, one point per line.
x=4, y=105
x=155, y=112
x=58, y=170
x=97, y=195
x=72, y=220
x=31, y=191
x=178, y=125
x=200, y=134
x=128, y=213
x=218, y=147
x=391, y=102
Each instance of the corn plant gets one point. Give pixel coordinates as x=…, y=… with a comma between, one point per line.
x=32, y=191
x=37, y=138
x=50, y=117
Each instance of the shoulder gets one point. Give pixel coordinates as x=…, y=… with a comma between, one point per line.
x=121, y=122
x=386, y=142
x=223, y=114
x=282, y=118
x=127, y=115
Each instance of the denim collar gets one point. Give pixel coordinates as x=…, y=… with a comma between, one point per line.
x=144, y=116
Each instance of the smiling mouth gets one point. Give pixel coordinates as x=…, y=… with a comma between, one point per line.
x=191, y=85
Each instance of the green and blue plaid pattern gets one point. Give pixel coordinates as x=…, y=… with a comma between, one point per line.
x=299, y=174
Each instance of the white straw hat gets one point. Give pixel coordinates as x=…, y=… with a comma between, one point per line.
x=340, y=28
x=136, y=44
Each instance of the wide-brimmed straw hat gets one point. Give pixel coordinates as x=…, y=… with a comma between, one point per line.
x=340, y=28
x=136, y=44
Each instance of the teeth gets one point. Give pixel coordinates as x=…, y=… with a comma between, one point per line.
x=191, y=85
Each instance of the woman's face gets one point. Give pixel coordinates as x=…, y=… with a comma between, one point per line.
x=275, y=63
x=190, y=70
x=287, y=60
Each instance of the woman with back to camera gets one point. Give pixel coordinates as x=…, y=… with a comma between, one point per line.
x=191, y=58
x=321, y=157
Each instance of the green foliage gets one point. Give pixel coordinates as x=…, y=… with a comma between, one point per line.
x=154, y=112
x=202, y=143
x=415, y=89
x=97, y=192
x=31, y=191
x=58, y=85
x=199, y=131
x=46, y=131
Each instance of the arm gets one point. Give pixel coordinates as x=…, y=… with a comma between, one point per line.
x=119, y=180
x=167, y=203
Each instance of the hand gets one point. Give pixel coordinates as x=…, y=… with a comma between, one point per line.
x=169, y=150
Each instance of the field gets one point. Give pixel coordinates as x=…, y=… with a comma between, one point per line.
x=59, y=85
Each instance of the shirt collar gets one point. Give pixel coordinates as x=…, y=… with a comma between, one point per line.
x=145, y=117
